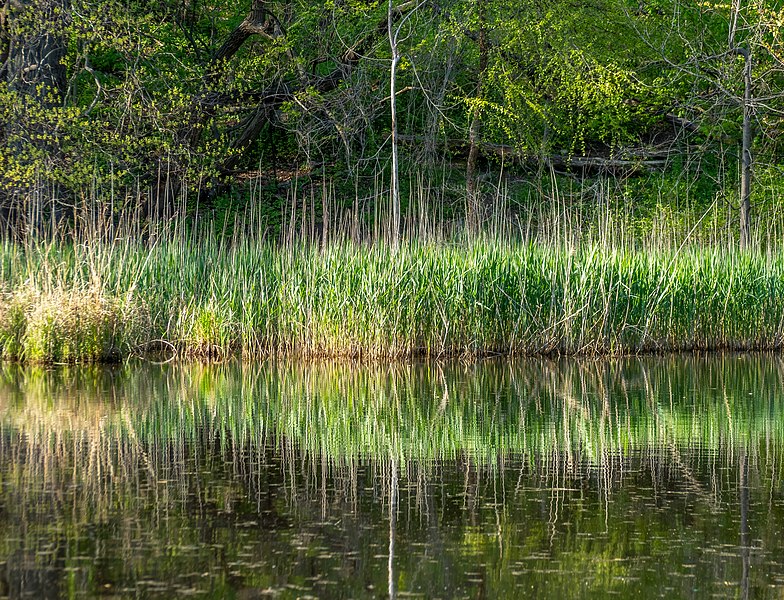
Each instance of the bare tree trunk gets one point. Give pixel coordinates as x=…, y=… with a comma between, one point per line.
x=746, y=158
x=395, y=177
x=473, y=201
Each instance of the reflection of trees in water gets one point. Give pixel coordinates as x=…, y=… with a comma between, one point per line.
x=398, y=451
x=745, y=550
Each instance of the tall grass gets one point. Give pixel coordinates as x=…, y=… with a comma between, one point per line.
x=212, y=299
x=556, y=289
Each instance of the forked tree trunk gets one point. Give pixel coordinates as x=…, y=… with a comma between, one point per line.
x=256, y=23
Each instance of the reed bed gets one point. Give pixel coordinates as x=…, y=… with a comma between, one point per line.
x=66, y=302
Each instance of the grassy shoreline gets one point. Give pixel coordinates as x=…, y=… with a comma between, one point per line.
x=96, y=302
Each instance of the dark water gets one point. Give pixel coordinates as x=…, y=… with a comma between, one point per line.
x=657, y=477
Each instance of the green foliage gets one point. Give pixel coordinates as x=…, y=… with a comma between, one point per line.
x=563, y=79
x=146, y=113
x=136, y=78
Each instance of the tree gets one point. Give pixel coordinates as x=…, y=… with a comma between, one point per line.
x=394, y=35
x=716, y=99
x=157, y=103
x=473, y=206
x=395, y=24
x=32, y=49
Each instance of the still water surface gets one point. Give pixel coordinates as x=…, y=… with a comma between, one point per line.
x=655, y=477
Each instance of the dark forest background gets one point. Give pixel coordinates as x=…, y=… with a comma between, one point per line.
x=217, y=107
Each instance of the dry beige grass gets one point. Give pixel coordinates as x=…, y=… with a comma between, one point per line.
x=67, y=325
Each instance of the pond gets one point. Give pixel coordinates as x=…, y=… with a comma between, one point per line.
x=648, y=477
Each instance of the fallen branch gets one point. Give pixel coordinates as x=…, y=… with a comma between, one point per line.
x=630, y=160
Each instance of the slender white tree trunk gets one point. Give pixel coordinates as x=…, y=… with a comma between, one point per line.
x=395, y=177
x=746, y=159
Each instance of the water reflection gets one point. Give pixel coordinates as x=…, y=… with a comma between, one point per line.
x=745, y=551
x=656, y=476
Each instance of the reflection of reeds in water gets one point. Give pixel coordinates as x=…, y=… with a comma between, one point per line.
x=62, y=429
x=557, y=417
x=169, y=455
x=171, y=449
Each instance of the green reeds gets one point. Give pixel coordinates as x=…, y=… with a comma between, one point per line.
x=211, y=298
